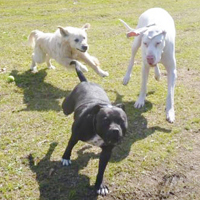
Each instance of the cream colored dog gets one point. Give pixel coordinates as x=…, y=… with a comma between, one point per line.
x=66, y=45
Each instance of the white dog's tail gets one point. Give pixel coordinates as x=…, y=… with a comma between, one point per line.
x=32, y=37
x=126, y=25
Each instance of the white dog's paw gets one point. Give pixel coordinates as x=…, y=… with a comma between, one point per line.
x=51, y=67
x=171, y=116
x=103, y=73
x=83, y=68
x=103, y=190
x=126, y=79
x=34, y=69
x=66, y=162
x=139, y=103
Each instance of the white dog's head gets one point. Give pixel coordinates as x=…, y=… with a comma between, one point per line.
x=77, y=37
x=153, y=43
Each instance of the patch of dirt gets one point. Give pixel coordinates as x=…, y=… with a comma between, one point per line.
x=172, y=185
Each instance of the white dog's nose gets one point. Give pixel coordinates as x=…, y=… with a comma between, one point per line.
x=151, y=59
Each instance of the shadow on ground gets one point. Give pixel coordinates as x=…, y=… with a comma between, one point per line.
x=60, y=182
x=38, y=95
x=137, y=127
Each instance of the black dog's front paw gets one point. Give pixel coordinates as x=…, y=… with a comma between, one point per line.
x=103, y=190
x=66, y=162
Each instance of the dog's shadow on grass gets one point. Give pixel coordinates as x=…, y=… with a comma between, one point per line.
x=38, y=94
x=137, y=127
x=60, y=182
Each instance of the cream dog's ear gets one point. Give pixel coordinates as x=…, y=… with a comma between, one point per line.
x=86, y=26
x=63, y=31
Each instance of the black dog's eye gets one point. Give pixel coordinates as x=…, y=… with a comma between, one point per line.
x=76, y=40
x=106, y=121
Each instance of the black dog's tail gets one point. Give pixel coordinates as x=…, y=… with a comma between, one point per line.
x=79, y=72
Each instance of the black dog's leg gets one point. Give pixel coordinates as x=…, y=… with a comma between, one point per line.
x=103, y=161
x=66, y=156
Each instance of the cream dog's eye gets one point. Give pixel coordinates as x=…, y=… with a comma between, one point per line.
x=76, y=40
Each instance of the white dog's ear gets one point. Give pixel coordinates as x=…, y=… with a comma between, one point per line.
x=63, y=31
x=164, y=32
x=86, y=26
x=136, y=32
x=132, y=33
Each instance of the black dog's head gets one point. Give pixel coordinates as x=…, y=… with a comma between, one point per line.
x=111, y=123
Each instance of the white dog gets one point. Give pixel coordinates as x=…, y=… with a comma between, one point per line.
x=155, y=33
x=67, y=46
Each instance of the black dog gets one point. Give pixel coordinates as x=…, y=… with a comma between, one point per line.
x=96, y=121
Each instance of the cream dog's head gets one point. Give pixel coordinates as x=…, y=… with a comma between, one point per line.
x=77, y=37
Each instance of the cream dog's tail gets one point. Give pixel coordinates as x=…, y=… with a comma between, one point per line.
x=32, y=37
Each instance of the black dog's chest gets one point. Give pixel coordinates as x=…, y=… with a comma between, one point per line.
x=96, y=140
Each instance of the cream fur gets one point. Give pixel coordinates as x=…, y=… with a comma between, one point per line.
x=65, y=45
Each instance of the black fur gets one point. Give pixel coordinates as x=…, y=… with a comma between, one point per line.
x=79, y=72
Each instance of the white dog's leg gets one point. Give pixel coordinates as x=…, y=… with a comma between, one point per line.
x=37, y=57
x=33, y=65
x=48, y=61
x=157, y=72
x=141, y=100
x=135, y=47
x=171, y=79
x=71, y=62
x=82, y=67
x=93, y=62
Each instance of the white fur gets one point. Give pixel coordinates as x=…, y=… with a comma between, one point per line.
x=158, y=45
x=103, y=191
x=66, y=162
x=65, y=45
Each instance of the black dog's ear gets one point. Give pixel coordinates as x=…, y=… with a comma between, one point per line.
x=96, y=109
x=121, y=105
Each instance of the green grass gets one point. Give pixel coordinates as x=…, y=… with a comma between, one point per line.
x=34, y=131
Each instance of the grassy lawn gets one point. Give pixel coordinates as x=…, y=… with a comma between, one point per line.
x=156, y=160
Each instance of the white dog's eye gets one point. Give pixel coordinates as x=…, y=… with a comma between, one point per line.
x=76, y=40
x=157, y=43
x=145, y=44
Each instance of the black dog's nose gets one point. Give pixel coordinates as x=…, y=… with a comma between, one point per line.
x=116, y=131
x=115, y=135
x=84, y=47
